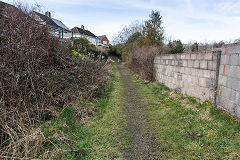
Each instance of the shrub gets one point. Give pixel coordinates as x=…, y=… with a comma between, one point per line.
x=194, y=47
x=39, y=75
x=113, y=51
x=218, y=44
x=81, y=44
x=175, y=47
x=142, y=61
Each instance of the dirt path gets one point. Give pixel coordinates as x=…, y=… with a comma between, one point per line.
x=144, y=144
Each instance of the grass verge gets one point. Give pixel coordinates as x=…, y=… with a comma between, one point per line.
x=101, y=136
x=187, y=128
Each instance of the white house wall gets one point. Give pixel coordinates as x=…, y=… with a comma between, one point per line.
x=67, y=35
x=93, y=40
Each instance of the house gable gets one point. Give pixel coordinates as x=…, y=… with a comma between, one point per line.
x=81, y=32
x=104, y=40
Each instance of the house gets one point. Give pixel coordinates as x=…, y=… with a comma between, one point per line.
x=82, y=32
x=56, y=27
x=103, y=41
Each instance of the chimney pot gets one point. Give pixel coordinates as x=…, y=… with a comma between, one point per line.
x=82, y=26
x=48, y=14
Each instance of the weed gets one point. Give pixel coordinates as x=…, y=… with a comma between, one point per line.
x=67, y=116
x=192, y=100
x=65, y=138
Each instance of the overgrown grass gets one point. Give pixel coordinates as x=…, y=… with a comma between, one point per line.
x=99, y=137
x=188, y=129
x=66, y=137
x=110, y=136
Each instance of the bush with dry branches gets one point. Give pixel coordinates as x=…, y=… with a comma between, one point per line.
x=142, y=61
x=38, y=75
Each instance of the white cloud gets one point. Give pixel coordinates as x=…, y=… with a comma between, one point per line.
x=229, y=6
x=189, y=5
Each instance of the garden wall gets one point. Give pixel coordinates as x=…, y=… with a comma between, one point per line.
x=228, y=97
x=192, y=74
x=213, y=75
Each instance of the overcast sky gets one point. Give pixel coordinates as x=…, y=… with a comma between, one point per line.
x=187, y=20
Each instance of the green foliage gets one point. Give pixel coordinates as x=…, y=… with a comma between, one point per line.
x=91, y=47
x=114, y=51
x=153, y=31
x=81, y=44
x=137, y=35
x=192, y=100
x=132, y=42
x=175, y=47
x=95, y=53
x=83, y=47
x=66, y=139
x=127, y=31
x=194, y=47
x=67, y=115
x=78, y=53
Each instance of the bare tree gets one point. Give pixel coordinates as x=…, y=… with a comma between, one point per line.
x=127, y=31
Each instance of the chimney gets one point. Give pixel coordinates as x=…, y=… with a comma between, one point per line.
x=82, y=27
x=48, y=14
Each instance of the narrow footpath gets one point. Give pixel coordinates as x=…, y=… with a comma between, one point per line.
x=144, y=145
x=151, y=122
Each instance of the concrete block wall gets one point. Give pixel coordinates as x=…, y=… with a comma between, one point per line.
x=228, y=97
x=192, y=74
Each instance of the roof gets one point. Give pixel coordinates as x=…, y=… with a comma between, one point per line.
x=101, y=37
x=52, y=22
x=59, y=23
x=83, y=31
x=49, y=21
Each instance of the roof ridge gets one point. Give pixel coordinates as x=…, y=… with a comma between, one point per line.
x=52, y=21
x=85, y=31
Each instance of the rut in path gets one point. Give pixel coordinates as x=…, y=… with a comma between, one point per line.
x=143, y=143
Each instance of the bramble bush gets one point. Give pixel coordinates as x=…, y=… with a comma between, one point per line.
x=39, y=75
